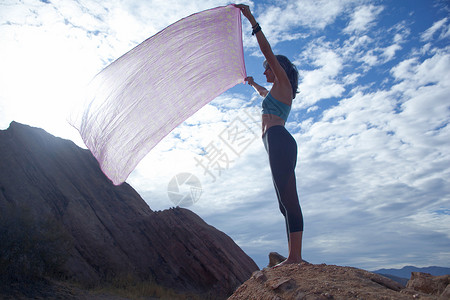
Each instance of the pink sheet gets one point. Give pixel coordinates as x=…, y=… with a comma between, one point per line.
x=142, y=96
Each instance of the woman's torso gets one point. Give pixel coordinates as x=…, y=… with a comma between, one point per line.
x=275, y=112
x=269, y=120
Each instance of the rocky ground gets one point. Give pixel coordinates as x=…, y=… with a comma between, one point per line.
x=53, y=290
x=291, y=282
x=308, y=281
x=63, y=290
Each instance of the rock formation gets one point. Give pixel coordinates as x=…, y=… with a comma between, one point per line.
x=428, y=284
x=314, y=282
x=114, y=232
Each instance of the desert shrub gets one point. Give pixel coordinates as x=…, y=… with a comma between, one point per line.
x=30, y=248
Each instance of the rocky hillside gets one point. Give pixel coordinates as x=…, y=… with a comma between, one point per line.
x=320, y=282
x=113, y=232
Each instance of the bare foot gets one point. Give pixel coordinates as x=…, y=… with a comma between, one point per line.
x=288, y=261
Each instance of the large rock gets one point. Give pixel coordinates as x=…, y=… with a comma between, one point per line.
x=115, y=234
x=427, y=283
x=308, y=281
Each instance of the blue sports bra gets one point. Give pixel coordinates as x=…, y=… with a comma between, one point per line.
x=272, y=106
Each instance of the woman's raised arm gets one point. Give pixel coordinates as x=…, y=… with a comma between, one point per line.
x=266, y=50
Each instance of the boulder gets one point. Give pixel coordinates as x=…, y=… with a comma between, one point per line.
x=114, y=232
x=309, y=281
x=428, y=284
x=275, y=258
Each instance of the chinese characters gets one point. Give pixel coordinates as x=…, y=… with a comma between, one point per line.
x=230, y=144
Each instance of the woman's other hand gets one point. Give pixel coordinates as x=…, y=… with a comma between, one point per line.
x=249, y=80
x=245, y=9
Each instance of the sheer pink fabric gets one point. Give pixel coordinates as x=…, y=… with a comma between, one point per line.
x=139, y=98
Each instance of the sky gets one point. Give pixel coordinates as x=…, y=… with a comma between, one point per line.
x=371, y=120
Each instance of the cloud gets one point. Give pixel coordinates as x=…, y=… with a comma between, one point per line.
x=438, y=25
x=373, y=161
x=292, y=20
x=52, y=53
x=363, y=19
x=378, y=160
x=357, y=167
x=330, y=65
x=322, y=82
x=430, y=72
x=54, y=48
x=389, y=52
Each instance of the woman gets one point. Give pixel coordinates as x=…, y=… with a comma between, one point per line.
x=280, y=145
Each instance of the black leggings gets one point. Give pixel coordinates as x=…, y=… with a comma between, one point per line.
x=282, y=150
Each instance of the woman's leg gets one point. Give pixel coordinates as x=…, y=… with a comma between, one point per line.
x=282, y=151
x=295, y=228
x=295, y=249
x=282, y=210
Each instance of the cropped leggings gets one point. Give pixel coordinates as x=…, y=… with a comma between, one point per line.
x=282, y=150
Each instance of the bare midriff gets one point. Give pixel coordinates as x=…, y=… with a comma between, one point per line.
x=269, y=120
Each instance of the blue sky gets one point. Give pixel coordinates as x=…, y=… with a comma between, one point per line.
x=371, y=120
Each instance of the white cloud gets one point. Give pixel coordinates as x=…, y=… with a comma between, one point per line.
x=441, y=24
x=363, y=18
x=374, y=50
x=376, y=159
x=312, y=108
x=54, y=49
x=379, y=156
x=389, y=52
x=321, y=82
x=50, y=59
x=279, y=20
x=431, y=71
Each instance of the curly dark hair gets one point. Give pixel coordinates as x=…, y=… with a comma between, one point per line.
x=290, y=69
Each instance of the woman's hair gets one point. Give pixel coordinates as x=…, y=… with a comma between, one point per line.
x=290, y=69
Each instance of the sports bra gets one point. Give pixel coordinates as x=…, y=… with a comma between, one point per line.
x=272, y=106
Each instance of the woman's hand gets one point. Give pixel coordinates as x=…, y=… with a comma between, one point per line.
x=249, y=80
x=260, y=89
x=245, y=9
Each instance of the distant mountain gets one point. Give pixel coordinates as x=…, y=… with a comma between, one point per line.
x=115, y=235
x=404, y=274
